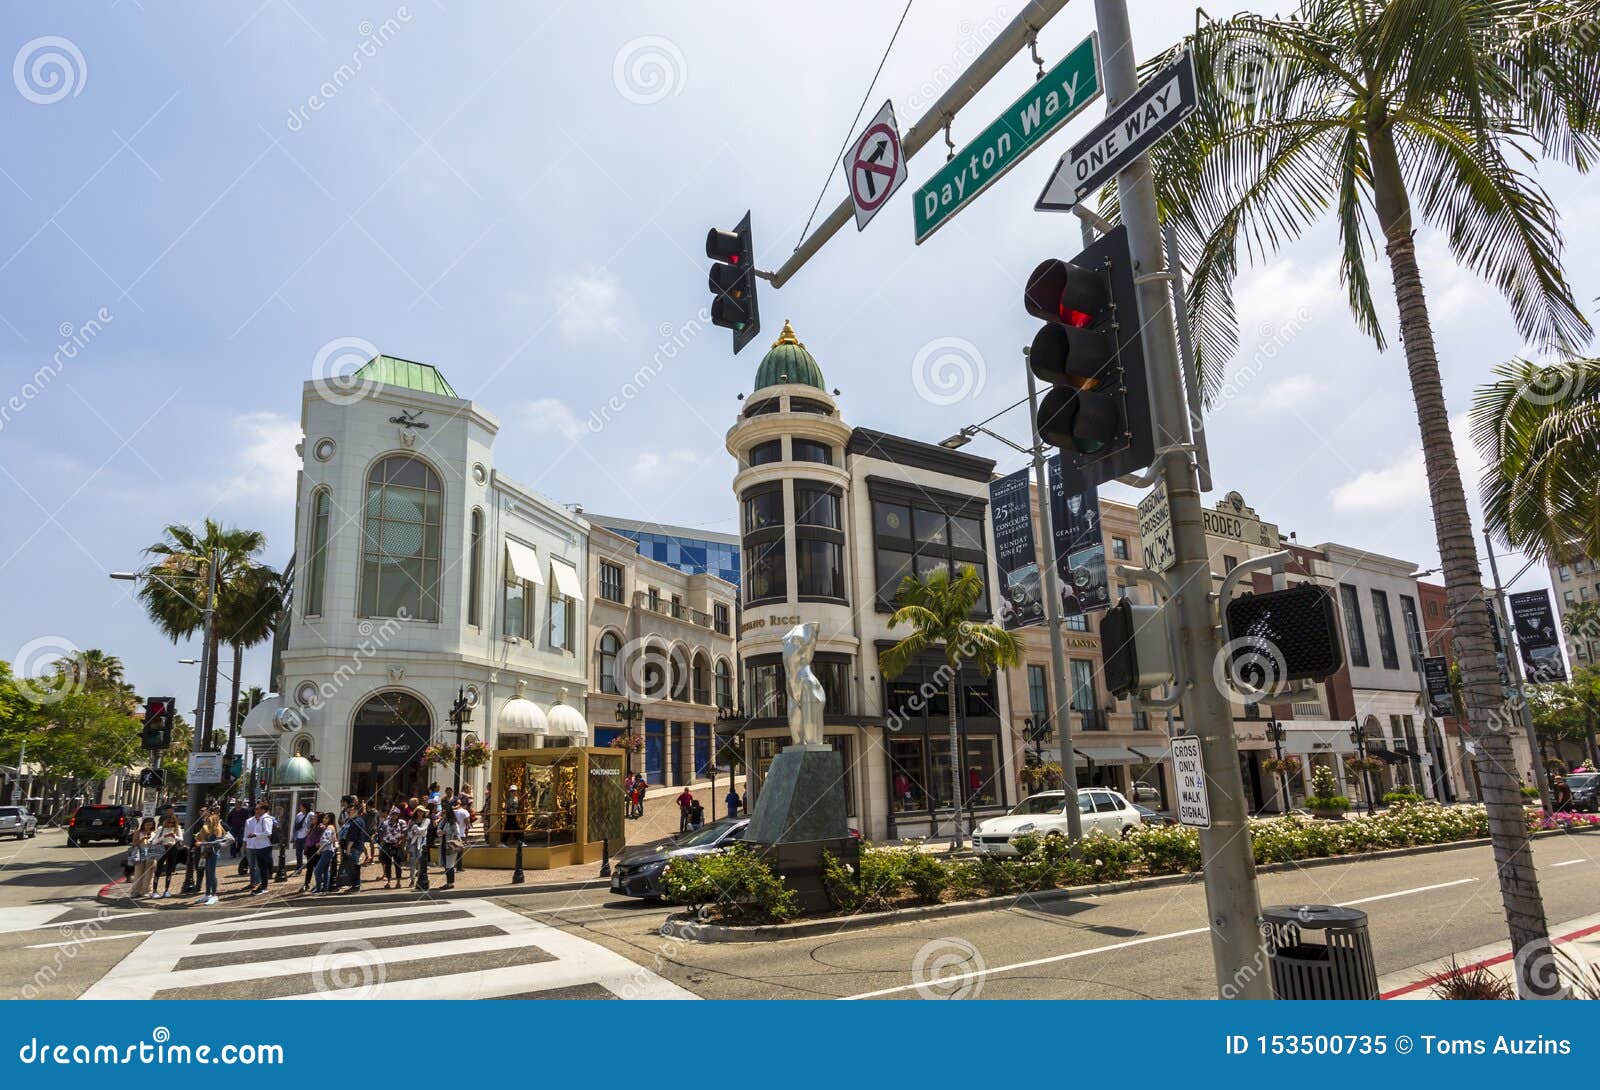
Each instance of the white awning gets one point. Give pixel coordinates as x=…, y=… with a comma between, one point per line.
x=1109, y=755
x=565, y=577
x=522, y=563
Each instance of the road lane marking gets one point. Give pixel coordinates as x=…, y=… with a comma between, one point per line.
x=1568, y=862
x=94, y=938
x=945, y=980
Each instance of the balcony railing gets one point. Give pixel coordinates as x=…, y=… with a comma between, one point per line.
x=1089, y=719
x=678, y=612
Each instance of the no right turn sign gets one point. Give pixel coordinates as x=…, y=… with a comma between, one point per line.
x=875, y=166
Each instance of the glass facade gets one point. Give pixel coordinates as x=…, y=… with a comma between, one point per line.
x=688, y=554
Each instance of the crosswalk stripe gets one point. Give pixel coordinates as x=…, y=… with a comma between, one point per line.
x=465, y=956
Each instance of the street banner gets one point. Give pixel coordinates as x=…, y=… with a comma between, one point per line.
x=1436, y=675
x=1021, y=595
x=1080, y=550
x=205, y=768
x=1534, y=622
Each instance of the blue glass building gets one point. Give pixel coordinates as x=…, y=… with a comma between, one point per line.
x=689, y=550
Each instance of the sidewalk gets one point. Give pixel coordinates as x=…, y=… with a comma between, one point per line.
x=1578, y=943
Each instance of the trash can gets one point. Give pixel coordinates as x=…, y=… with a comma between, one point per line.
x=1339, y=967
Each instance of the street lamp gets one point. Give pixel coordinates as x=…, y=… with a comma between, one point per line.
x=460, y=716
x=724, y=716
x=1360, y=740
x=628, y=711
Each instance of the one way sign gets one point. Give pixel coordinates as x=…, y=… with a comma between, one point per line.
x=1127, y=133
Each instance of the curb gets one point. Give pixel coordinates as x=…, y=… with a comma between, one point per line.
x=686, y=928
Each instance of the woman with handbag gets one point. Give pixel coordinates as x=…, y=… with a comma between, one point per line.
x=313, y=839
x=209, y=841
x=327, y=849
x=141, y=855
x=392, y=834
x=417, y=843
x=169, y=853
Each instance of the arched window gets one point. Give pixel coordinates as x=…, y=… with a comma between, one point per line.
x=317, y=551
x=387, y=736
x=724, y=684
x=400, y=548
x=702, y=680
x=606, y=666
x=475, y=571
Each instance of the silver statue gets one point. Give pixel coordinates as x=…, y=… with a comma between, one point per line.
x=805, y=688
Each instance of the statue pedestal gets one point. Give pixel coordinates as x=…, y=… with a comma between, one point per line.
x=800, y=814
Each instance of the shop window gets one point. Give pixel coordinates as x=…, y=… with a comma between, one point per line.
x=819, y=568
x=809, y=450
x=763, y=453
x=764, y=573
x=907, y=780
x=400, y=544
x=763, y=509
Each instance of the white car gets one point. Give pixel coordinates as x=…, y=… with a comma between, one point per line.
x=1102, y=810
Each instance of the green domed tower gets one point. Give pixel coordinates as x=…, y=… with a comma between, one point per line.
x=787, y=363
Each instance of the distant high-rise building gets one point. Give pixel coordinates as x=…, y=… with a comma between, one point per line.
x=691, y=551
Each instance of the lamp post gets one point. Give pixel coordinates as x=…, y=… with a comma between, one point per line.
x=1277, y=735
x=724, y=716
x=628, y=711
x=460, y=716
x=1360, y=741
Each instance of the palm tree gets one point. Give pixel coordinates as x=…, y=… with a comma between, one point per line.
x=1351, y=107
x=939, y=611
x=1538, y=429
x=92, y=668
x=247, y=614
x=175, y=590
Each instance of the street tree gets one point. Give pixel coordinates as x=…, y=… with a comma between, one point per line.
x=938, y=609
x=1378, y=113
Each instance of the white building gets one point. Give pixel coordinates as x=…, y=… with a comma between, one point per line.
x=421, y=571
x=832, y=518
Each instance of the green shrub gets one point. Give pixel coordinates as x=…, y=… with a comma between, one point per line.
x=1044, y=862
x=737, y=883
x=1168, y=849
x=962, y=879
x=1530, y=792
x=927, y=876
x=1109, y=858
x=1402, y=798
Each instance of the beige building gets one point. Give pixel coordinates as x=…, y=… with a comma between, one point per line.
x=663, y=657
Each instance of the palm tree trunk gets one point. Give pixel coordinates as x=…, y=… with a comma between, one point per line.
x=955, y=763
x=1488, y=712
x=234, y=718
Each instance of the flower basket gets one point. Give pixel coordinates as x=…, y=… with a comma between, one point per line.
x=1288, y=766
x=476, y=754
x=438, y=753
x=1362, y=764
x=629, y=741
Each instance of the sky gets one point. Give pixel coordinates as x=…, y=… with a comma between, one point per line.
x=208, y=204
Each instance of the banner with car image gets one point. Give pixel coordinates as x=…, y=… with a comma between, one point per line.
x=1080, y=550
x=1021, y=598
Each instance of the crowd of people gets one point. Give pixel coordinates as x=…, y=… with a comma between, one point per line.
x=405, y=836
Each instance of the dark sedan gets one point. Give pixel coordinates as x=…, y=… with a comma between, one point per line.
x=637, y=872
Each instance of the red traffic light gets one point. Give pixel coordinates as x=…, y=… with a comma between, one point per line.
x=723, y=246
x=1060, y=291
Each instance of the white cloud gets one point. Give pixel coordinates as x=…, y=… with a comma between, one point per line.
x=1294, y=392
x=1270, y=295
x=266, y=463
x=1404, y=481
x=656, y=468
x=552, y=412
x=588, y=304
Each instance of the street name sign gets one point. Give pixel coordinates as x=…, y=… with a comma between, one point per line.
x=875, y=166
x=1130, y=130
x=1194, y=805
x=1062, y=93
x=1155, y=529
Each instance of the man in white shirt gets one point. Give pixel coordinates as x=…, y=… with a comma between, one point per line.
x=258, y=846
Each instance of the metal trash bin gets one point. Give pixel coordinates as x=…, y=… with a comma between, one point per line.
x=1340, y=967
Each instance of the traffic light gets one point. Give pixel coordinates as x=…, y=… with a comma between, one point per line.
x=733, y=282
x=152, y=777
x=157, y=728
x=1283, y=635
x=1091, y=353
x=1136, y=648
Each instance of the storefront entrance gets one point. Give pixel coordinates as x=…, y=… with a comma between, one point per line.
x=386, y=742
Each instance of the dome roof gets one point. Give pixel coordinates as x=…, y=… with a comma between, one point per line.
x=295, y=772
x=519, y=715
x=565, y=719
x=788, y=363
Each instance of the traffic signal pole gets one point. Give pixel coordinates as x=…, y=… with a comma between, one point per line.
x=1233, y=905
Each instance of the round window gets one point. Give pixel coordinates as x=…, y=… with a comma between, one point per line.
x=306, y=693
x=323, y=450
x=479, y=474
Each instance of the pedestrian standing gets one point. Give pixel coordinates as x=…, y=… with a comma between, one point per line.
x=304, y=819
x=258, y=848
x=355, y=837
x=732, y=802
x=209, y=841
x=393, y=834
x=236, y=819
x=168, y=847
x=452, y=842
x=327, y=853
x=697, y=814
x=312, y=843
x=417, y=845
x=140, y=855
x=685, y=802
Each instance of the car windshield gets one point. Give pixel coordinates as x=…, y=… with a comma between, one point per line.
x=10, y=811
x=1040, y=804
x=708, y=834
x=1582, y=779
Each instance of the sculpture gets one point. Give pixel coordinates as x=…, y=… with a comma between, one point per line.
x=806, y=694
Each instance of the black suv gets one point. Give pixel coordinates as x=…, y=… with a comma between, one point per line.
x=1585, y=787
x=100, y=822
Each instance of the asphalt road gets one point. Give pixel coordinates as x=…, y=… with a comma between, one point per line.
x=1148, y=943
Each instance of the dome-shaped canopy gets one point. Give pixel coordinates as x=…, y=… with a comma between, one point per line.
x=520, y=715
x=788, y=363
x=295, y=772
x=567, y=720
